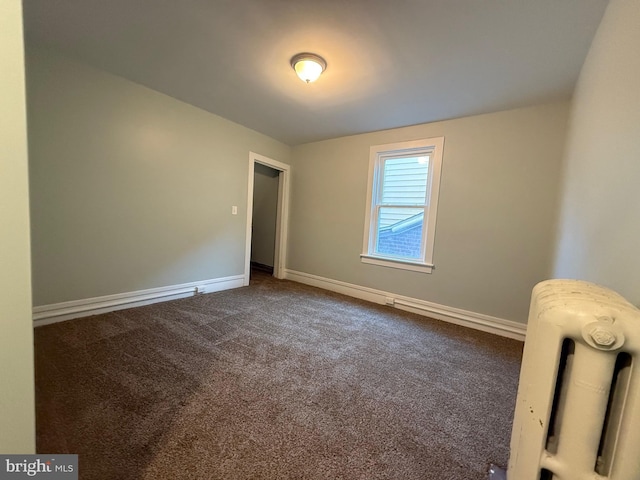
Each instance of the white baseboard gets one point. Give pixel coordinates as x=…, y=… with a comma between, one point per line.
x=59, y=312
x=477, y=321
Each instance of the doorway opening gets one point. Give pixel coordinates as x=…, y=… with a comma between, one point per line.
x=267, y=202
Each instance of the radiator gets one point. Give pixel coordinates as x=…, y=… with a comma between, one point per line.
x=577, y=413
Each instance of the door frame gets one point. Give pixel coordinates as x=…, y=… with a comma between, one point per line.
x=282, y=214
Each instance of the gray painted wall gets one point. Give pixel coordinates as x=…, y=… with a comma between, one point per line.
x=599, y=229
x=498, y=200
x=17, y=409
x=265, y=210
x=130, y=189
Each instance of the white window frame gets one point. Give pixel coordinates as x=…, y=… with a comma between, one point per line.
x=377, y=155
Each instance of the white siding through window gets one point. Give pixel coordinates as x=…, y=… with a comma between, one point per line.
x=404, y=182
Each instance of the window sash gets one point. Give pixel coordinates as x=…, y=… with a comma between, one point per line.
x=376, y=249
x=378, y=203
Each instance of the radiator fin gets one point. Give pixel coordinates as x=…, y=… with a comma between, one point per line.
x=615, y=408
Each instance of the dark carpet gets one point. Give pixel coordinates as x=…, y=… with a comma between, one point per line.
x=277, y=380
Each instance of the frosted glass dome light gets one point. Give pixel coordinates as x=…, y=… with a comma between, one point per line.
x=308, y=66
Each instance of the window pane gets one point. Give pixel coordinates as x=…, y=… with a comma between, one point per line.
x=400, y=232
x=404, y=181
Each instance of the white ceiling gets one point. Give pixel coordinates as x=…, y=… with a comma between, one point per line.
x=390, y=63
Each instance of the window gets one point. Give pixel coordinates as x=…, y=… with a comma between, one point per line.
x=402, y=200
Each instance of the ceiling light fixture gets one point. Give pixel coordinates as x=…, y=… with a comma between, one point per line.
x=308, y=66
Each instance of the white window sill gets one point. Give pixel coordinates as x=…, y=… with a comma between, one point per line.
x=401, y=264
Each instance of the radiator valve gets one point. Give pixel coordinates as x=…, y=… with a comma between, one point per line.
x=603, y=337
x=603, y=334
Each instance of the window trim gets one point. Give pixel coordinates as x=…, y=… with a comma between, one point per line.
x=377, y=155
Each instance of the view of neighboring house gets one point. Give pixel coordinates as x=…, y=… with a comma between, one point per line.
x=403, y=195
x=402, y=238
